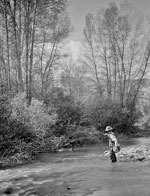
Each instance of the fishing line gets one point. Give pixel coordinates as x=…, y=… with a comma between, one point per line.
x=125, y=181
x=126, y=184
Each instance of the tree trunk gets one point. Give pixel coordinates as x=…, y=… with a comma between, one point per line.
x=31, y=59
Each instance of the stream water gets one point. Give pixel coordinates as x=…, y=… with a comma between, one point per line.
x=84, y=172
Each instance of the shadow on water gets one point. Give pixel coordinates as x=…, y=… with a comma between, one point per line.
x=83, y=172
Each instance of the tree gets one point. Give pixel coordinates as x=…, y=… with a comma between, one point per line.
x=22, y=26
x=74, y=80
x=48, y=47
x=91, y=54
x=117, y=39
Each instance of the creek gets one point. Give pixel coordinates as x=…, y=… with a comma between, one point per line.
x=83, y=172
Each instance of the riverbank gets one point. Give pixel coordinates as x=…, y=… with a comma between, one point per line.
x=136, y=153
x=132, y=154
x=29, y=153
x=16, y=160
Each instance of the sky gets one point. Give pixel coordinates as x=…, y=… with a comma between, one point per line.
x=78, y=9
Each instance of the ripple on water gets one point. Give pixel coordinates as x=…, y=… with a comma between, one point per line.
x=79, y=175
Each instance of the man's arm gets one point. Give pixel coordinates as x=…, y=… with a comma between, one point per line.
x=110, y=144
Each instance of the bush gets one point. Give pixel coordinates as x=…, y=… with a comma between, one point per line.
x=69, y=116
x=35, y=116
x=22, y=129
x=5, y=113
x=68, y=113
x=12, y=131
x=113, y=115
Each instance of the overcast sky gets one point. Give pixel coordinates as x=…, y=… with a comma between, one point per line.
x=79, y=8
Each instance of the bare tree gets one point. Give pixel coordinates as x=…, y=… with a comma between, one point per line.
x=48, y=47
x=91, y=53
x=22, y=27
x=117, y=36
x=74, y=80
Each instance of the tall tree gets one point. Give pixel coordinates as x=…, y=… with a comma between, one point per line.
x=119, y=33
x=73, y=80
x=48, y=49
x=91, y=54
x=22, y=26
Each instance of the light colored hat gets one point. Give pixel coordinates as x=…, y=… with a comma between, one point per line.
x=108, y=128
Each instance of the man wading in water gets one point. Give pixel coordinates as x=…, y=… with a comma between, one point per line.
x=113, y=143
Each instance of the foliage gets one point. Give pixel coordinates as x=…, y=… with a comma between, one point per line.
x=114, y=115
x=68, y=113
x=5, y=113
x=34, y=29
x=12, y=131
x=83, y=137
x=34, y=116
x=115, y=40
x=23, y=130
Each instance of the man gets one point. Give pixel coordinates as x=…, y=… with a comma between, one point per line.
x=113, y=143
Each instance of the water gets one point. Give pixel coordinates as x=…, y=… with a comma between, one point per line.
x=85, y=172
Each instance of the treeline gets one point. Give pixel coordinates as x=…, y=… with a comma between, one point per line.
x=48, y=100
x=31, y=37
x=28, y=130
x=31, y=34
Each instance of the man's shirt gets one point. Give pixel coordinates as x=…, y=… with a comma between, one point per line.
x=112, y=139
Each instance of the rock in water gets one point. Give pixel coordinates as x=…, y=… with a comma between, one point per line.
x=8, y=190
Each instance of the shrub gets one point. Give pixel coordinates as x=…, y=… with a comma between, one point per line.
x=22, y=129
x=12, y=130
x=113, y=115
x=35, y=116
x=5, y=113
x=69, y=116
x=68, y=112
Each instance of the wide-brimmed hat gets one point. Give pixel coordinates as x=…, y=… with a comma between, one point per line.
x=108, y=128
